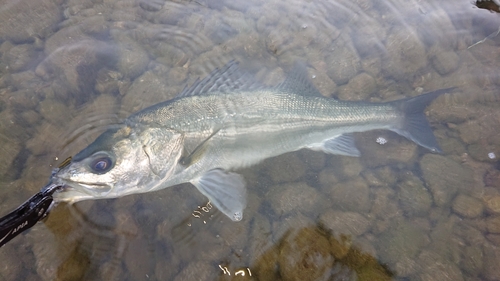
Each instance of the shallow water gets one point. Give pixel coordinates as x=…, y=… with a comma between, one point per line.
x=71, y=68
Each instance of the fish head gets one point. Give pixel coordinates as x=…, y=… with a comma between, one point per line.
x=119, y=162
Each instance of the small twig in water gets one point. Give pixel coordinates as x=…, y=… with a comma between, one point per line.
x=494, y=34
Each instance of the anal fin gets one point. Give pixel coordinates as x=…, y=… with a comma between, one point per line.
x=340, y=145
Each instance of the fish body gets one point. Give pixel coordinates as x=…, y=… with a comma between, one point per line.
x=223, y=123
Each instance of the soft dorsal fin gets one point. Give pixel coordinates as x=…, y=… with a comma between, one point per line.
x=225, y=79
x=297, y=82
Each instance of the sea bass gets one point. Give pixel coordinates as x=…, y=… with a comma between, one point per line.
x=227, y=122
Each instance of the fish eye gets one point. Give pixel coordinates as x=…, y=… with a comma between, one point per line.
x=101, y=164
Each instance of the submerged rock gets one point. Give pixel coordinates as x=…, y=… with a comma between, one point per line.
x=305, y=255
x=472, y=260
x=202, y=271
x=327, y=179
x=482, y=152
x=21, y=20
x=146, y=90
x=405, y=53
x=478, y=129
x=492, y=203
x=434, y=267
x=53, y=111
x=76, y=67
x=467, y=206
x=9, y=149
x=351, y=195
x=414, y=198
x=315, y=160
x=285, y=168
x=445, y=178
x=384, y=204
x=347, y=167
x=381, y=148
x=491, y=262
x=359, y=88
x=292, y=197
x=281, y=227
x=343, y=62
x=444, y=61
x=400, y=245
x=345, y=223
x=10, y=268
x=20, y=57
x=133, y=59
x=138, y=259
x=493, y=224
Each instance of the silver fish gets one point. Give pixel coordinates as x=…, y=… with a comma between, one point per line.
x=226, y=122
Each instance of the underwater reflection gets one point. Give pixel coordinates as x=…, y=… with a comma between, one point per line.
x=88, y=248
x=314, y=253
x=116, y=248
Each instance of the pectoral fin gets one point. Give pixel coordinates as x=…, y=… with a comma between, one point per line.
x=341, y=145
x=197, y=153
x=225, y=190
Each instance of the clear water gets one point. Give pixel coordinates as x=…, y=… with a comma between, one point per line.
x=70, y=68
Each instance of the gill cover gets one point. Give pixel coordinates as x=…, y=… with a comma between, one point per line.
x=163, y=149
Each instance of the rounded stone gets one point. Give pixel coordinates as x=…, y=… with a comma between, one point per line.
x=23, y=19
x=381, y=148
x=414, y=198
x=467, y=206
x=291, y=197
x=492, y=203
x=399, y=244
x=305, y=255
x=20, y=57
x=491, y=262
x=133, y=59
x=201, y=271
x=346, y=223
x=472, y=260
x=445, y=178
x=405, y=54
x=493, y=224
x=359, y=88
x=444, y=61
x=285, y=168
x=351, y=195
x=434, y=267
x=343, y=63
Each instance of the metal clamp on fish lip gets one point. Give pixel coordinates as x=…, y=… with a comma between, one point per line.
x=30, y=212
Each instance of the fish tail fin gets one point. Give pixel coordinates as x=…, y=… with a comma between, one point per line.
x=415, y=125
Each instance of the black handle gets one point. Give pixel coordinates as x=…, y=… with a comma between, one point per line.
x=26, y=215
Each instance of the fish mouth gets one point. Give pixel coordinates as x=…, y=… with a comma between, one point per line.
x=76, y=191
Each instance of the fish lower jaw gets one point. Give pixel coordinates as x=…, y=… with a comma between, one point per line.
x=70, y=196
x=73, y=192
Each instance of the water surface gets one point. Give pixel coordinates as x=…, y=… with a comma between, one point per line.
x=69, y=69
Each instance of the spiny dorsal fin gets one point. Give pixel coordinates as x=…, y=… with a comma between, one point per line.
x=297, y=82
x=225, y=79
